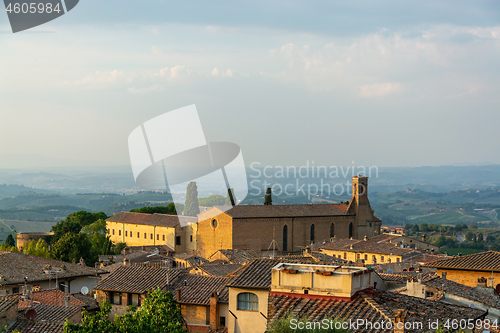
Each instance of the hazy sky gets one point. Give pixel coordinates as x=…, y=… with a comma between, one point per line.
x=386, y=83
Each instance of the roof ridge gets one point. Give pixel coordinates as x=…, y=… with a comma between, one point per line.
x=369, y=299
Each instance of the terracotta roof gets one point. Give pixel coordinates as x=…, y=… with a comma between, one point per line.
x=326, y=259
x=6, y=302
x=197, y=289
x=52, y=313
x=402, y=277
x=136, y=279
x=484, y=261
x=237, y=256
x=218, y=270
x=378, y=244
x=276, y=211
x=49, y=297
x=374, y=307
x=29, y=326
x=14, y=266
x=256, y=274
x=163, y=220
x=90, y=302
x=191, y=259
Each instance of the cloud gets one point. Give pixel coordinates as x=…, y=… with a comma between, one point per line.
x=100, y=78
x=380, y=89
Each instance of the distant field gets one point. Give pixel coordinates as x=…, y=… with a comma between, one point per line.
x=456, y=251
x=24, y=226
x=449, y=218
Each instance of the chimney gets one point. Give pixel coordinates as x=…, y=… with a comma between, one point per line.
x=178, y=295
x=365, y=238
x=67, y=301
x=423, y=238
x=419, y=277
x=399, y=321
x=481, y=282
x=443, y=275
x=214, y=311
x=126, y=262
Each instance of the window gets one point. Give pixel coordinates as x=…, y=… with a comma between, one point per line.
x=382, y=258
x=345, y=255
x=62, y=286
x=163, y=237
x=374, y=259
x=214, y=223
x=370, y=224
x=366, y=257
x=311, y=233
x=108, y=232
x=222, y=321
x=145, y=236
x=113, y=231
x=157, y=237
x=306, y=291
x=116, y=298
x=285, y=238
x=134, y=299
x=248, y=301
x=131, y=234
x=126, y=233
x=191, y=238
x=397, y=259
x=358, y=256
x=15, y=290
x=177, y=240
x=350, y=230
x=138, y=235
x=151, y=236
x=389, y=260
x=119, y=232
x=332, y=230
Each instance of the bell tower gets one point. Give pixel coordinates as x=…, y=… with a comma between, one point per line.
x=366, y=223
x=360, y=189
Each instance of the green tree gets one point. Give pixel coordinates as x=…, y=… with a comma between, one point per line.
x=39, y=249
x=169, y=210
x=293, y=324
x=73, y=247
x=159, y=313
x=191, y=208
x=268, y=198
x=9, y=241
x=85, y=218
x=230, y=198
x=469, y=235
x=64, y=227
x=98, y=236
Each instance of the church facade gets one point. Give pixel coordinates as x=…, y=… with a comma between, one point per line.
x=286, y=228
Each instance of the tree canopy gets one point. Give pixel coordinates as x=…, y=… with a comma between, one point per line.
x=160, y=312
x=170, y=210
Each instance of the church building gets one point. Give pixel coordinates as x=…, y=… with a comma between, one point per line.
x=286, y=228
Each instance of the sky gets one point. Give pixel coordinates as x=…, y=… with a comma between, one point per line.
x=373, y=83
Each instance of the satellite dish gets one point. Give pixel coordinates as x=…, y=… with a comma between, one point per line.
x=31, y=314
x=472, y=306
x=390, y=271
x=497, y=288
x=85, y=290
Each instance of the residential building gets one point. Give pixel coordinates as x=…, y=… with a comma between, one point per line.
x=372, y=250
x=18, y=270
x=468, y=269
x=139, y=229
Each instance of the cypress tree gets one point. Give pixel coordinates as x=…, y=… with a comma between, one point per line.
x=268, y=199
x=191, y=208
x=230, y=199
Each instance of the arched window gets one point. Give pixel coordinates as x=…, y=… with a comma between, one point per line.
x=350, y=230
x=248, y=301
x=285, y=238
x=332, y=230
x=312, y=233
